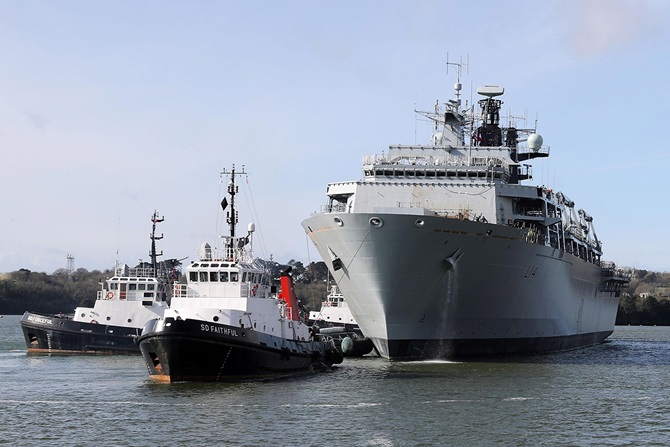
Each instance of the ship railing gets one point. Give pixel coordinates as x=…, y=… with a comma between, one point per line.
x=142, y=272
x=137, y=272
x=612, y=273
x=228, y=254
x=377, y=160
x=182, y=291
x=544, y=150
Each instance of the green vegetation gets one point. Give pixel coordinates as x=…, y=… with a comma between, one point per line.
x=646, y=301
x=61, y=291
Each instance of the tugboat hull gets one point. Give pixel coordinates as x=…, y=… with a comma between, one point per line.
x=59, y=334
x=192, y=350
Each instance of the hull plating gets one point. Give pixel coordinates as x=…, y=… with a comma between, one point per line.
x=54, y=334
x=425, y=286
x=192, y=350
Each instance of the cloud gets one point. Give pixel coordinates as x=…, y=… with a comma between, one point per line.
x=603, y=25
x=37, y=120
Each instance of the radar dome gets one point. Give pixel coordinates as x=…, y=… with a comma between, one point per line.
x=535, y=141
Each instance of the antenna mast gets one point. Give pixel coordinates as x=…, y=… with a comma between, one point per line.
x=231, y=216
x=153, y=255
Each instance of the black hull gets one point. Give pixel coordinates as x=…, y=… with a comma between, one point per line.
x=493, y=347
x=192, y=350
x=59, y=334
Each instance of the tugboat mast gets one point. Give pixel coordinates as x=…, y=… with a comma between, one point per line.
x=231, y=216
x=153, y=255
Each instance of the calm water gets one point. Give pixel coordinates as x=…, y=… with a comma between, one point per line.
x=615, y=394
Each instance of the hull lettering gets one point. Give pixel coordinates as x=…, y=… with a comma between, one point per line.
x=219, y=330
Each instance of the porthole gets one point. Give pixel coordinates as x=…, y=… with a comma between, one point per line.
x=109, y=318
x=376, y=222
x=130, y=320
x=338, y=221
x=83, y=315
x=419, y=223
x=216, y=318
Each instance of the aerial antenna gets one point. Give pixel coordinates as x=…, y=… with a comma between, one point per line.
x=152, y=254
x=456, y=102
x=231, y=216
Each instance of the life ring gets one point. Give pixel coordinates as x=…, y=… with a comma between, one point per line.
x=94, y=322
x=109, y=295
x=254, y=289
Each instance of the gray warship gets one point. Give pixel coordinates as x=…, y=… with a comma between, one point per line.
x=442, y=250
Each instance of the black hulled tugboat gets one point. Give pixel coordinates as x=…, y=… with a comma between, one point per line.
x=124, y=304
x=227, y=323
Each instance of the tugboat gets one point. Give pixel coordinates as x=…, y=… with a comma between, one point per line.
x=334, y=320
x=124, y=304
x=228, y=323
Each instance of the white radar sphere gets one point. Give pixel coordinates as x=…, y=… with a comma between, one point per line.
x=535, y=141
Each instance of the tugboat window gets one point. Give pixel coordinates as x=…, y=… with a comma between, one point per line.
x=233, y=276
x=213, y=277
x=203, y=276
x=132, y=286
x=244, y=276
x=150, y=286
x=193, y=276
x=223, y=276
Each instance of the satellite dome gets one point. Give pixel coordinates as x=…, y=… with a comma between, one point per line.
x=535, y=141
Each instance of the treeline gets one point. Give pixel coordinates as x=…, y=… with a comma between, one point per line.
x=59, y=292
x=646, y=301
x=646, y=311
x=62, y=291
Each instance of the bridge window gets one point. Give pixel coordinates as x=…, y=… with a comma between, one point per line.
x=233, y=276
x=203, y=276
x=193, y=276
x=223, y=276
x=213, y=276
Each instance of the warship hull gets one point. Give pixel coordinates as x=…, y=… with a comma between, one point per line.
x=424, y=286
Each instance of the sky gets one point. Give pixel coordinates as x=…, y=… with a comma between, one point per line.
x=111, y=110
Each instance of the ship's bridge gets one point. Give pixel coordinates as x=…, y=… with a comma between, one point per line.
x=217, y=278
x=134, y=284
